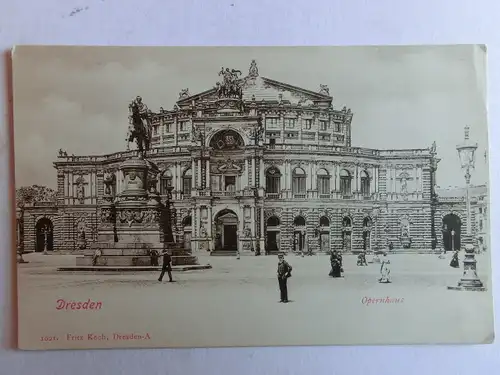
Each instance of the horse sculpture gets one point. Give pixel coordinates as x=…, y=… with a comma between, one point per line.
x=140, y=129
x=230, y=87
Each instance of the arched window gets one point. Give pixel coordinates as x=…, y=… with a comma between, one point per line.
x=345, y=182
x=324, y=222
x=299, y=182
x=187, y=221
x=367, y=223
x=323, y=182
x=165, y=182
x=273, y=221
x=273, y=181
x=346, y=222
x=187, y=182
x=299, y=221
x=365, y=184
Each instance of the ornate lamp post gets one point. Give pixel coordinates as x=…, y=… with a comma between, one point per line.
x=469, y=280
x=466, y=153
x=452, y=240
x=45, y=232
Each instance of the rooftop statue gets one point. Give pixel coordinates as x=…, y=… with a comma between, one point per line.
x=230, y=87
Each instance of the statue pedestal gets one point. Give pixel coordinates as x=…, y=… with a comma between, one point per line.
x=134, y=226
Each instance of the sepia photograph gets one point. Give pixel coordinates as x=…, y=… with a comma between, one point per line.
x=251, y=196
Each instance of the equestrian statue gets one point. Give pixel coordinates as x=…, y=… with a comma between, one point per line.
x=140, y=125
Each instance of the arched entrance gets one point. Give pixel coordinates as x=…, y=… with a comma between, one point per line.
x=324, y=234
x=187, y=230
x=299, y=233
x=44, y=235
x=273, y=234
x=226, y=231
x=451, y=232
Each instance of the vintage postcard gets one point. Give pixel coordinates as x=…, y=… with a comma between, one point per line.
x=217, y=197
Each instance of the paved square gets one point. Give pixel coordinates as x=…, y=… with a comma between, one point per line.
x=236, y=304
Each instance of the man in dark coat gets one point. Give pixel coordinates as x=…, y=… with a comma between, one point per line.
x=167, y=266
x=284, y=272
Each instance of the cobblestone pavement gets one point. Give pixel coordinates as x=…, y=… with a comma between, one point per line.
x=236, y=303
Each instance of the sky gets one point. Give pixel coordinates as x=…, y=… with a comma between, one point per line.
x=76, y=98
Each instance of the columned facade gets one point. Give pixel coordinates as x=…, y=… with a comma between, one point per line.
x=264, y=169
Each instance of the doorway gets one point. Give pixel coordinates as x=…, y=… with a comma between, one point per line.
x=226, y=231
x=451, y=232
x=44, y=235
x=230, y=237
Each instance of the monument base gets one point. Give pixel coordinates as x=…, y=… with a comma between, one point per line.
x=468, y=288
x=133, y=255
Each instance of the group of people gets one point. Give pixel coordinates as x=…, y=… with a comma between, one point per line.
x=284, y=271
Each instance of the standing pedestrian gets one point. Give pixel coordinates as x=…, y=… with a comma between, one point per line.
x=166, y=266
x=284, y=272
x=454, y=260
x=385, y=270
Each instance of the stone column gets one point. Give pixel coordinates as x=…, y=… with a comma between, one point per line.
x=198, y=174
x=262, y=234
x=66, y=188
x=193, y=172
x=252, y=218
x=246, y=179
x=337, y=178
x=314, y=176
x=261, y=173
x=207, y=178
x=309, y=178
x=289, y=175
x=241, y=221
x=254, y=180
x=209, y=229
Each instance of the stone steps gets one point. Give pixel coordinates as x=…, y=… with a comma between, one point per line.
x=130, y=269
x=134, y=261
x=224, y=253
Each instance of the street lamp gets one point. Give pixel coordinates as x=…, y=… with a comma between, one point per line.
x=466, y=153
x=469, y=280
x=452, y=240
x=45, y=239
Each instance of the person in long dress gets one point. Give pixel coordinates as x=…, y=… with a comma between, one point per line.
x=385, y=270
x=336, y=264
x=454, y=260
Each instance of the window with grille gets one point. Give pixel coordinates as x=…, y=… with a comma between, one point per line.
x=308, y=123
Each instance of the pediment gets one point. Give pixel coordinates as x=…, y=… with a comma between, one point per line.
x=265, y=89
